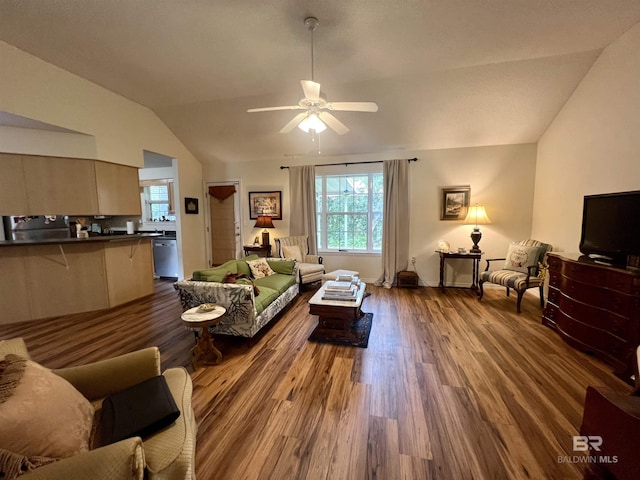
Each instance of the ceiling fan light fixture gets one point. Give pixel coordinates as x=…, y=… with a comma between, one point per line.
x=316, y=116
x=312, y=122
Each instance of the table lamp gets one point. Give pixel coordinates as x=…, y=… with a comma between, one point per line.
x=477, y=215
x=265, y=222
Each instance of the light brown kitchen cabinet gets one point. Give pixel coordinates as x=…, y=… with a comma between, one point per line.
x=58, y=185
x=129, y=270
x=118, y=189
x=13, y=193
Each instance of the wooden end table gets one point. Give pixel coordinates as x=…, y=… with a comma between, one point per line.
x=475, y=257
x=204, y=351
x=260, y=250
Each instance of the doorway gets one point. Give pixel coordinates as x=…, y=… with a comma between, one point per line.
x=225, y=242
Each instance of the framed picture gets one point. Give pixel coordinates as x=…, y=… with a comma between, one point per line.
x=454, y=202
x=190, y=205
x=265, y=203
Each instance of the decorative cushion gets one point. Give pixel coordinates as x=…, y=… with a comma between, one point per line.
x=267, y=297
x=260, y=268
x=43, y=414
x=520, y=257
x=200, y=275
x=277, y=281
x=282, y=266
x=292, y=251
x=242, y=265
x=217, y=274
x=511, y=279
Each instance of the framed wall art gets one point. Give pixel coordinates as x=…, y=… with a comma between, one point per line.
x=265, y=203
x=190, y=205
x=454, y=202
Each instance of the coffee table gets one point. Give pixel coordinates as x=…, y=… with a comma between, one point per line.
x=204, y=351
x=336, y=317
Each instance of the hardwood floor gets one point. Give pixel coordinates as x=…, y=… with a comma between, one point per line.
x=448, y=388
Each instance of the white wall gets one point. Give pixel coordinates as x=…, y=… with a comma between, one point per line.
x=43, y=142
x=120, y=128
x=501, y=178
x=593, y=145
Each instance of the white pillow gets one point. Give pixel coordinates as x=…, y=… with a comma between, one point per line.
x=260, y=268
x=292, y=251
x=520, y=257
x=44, y=415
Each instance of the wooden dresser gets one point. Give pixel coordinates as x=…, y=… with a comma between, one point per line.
x=595, y=308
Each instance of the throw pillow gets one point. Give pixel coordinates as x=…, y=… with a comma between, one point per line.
x=292, y=251
x=282, y=266
x=520, y=257
x=260, y=268
x=43, y=414
x=217, y=274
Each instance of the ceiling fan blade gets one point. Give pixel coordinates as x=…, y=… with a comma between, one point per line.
x=311, y=90
x=293, y=123
x=271, y=109
x=353, y=106
x=339, y=127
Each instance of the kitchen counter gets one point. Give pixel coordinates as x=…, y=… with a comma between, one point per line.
x=48, y=278
x=73, y=240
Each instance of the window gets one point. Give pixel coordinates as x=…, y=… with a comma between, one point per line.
x=349, y=210
x=157, y=201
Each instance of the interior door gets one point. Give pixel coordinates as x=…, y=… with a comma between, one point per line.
x=224, y=222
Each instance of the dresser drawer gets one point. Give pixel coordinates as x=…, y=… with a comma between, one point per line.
x=599, y=276
x=553, y=295
x=593, y=338
x=597, y=296
x=600, y=318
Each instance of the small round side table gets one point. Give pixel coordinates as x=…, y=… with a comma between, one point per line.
x=204, y=351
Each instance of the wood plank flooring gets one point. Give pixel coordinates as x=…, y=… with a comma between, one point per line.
x=449, y=387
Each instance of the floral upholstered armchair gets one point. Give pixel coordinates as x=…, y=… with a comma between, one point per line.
x=310, y=268
x=523, y=268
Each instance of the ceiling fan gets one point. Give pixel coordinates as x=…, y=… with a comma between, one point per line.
x=316, y=116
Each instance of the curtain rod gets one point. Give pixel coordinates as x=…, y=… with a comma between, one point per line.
x=415, y=159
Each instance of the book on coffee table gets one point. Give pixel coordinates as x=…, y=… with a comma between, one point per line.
x=335, y=285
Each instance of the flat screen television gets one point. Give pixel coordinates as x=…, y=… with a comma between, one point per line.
x=611, y=226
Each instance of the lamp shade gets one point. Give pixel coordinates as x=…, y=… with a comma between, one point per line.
x=312, y=122
x=264, y=221
x=477, y=215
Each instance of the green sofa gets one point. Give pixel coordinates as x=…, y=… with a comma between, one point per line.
x=247, y=312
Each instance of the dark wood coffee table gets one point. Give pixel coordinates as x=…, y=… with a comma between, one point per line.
x=336, y=318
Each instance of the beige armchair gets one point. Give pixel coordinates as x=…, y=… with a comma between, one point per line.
x=310, y=268
x=167, y=454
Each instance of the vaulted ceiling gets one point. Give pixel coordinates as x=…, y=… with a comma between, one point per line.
x=445, y=74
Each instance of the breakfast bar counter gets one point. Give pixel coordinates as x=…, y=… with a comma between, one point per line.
x=73, y=240
x=48, y=278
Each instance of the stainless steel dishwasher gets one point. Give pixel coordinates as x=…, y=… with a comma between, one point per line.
x=165, y=257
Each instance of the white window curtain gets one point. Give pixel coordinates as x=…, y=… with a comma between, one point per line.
x=395, y=230
x=302, y=204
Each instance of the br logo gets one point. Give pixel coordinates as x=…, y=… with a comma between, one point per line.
x=583, y=443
